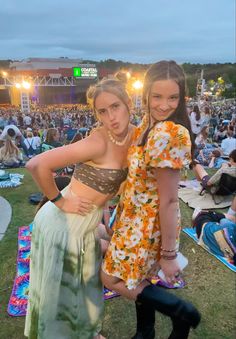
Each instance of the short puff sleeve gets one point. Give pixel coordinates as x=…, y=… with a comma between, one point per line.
x=168, y=145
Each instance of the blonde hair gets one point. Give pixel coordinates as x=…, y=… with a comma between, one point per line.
x=113, y=86
x=9, y=148
x=29, y=134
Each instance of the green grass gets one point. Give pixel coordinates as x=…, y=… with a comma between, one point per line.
x=210, y=285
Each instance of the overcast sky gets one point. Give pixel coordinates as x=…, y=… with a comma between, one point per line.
x=143, y=31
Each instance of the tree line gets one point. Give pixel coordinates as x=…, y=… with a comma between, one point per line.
x=227, y=71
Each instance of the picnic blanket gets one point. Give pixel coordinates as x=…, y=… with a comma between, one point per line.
x=192, y=234
x=2, y=166
x=194, y=183
x=13, y=181
x=191, y=197
x=18, y=301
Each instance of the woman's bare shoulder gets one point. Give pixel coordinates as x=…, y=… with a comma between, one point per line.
x=98, y=135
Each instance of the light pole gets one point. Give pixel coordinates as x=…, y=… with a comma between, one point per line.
x=24, y=88
x=137, y=86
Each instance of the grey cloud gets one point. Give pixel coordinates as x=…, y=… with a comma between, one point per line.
x=134, y=30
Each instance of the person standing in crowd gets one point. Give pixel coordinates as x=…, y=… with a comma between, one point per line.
x=65, y=293
x=14, y=133
x=146, y=232
x=196, y=121
x=206, y=116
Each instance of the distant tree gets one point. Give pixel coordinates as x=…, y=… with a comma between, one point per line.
x=4, y=64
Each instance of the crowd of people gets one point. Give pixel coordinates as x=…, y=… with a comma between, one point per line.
x=109, y=143
x=45, y=128
x=213, y=126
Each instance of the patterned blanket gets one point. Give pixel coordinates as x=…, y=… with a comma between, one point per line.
x=19, y=297
x=13, y=181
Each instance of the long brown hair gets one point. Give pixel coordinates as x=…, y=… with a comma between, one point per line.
x=51, y=134
x=167, y=70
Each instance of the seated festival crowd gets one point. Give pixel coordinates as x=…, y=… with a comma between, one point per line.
x=24, y=135
x=46, y=127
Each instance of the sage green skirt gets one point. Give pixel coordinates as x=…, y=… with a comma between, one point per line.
x=65, y=291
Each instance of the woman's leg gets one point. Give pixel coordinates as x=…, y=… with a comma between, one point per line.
x=145, y=313
x=182, y=313
x=118, y=285
x=200, y=172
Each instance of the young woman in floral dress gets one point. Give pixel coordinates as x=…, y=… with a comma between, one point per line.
x=146, y=233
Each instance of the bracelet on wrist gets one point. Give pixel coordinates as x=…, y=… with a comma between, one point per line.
x=169, y=257
x=172, y=250
x=169, y=251
x=58, y=197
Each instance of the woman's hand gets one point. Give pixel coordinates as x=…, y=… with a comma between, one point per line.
x=77, y=205
x=170, y=269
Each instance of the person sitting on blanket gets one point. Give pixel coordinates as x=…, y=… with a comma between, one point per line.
x=217, y=231
x=228, y=168
x=10, y=155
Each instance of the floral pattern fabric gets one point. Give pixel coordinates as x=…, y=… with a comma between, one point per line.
x=135, y=244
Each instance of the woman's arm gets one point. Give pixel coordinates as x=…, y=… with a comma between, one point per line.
x=212, y=162
x=168, y=180
x=43, y=166
x=215, y=178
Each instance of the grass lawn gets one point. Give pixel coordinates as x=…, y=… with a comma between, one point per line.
x=210, y=284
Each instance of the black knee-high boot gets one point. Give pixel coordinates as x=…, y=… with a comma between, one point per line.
x=145, y=315
x=182, y=313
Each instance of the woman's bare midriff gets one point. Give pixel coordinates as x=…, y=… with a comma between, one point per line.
x=97, y=198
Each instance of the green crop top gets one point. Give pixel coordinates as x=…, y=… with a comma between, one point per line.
x=103, y=180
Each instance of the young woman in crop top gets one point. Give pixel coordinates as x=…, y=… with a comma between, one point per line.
x=66, y=295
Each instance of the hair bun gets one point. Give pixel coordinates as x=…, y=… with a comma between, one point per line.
x=122, y=77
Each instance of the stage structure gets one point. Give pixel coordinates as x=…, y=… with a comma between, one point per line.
x=48, y=81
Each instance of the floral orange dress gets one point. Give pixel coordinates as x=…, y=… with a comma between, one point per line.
x=135, y=244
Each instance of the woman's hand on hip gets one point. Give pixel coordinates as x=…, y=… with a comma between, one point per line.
x=77, y=205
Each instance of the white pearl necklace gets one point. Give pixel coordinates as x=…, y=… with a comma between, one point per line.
x=116, y=142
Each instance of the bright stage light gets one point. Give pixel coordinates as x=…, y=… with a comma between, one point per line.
x=137, y=84
x=26, y=85
x=18, y=85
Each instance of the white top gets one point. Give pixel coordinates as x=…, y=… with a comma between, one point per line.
x=228, y=145
x=32, y=141
x=37, y=141
x=6, y=128
x=27, y=120
x=196, y=125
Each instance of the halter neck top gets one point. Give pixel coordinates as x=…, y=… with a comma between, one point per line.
x=103, y=180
